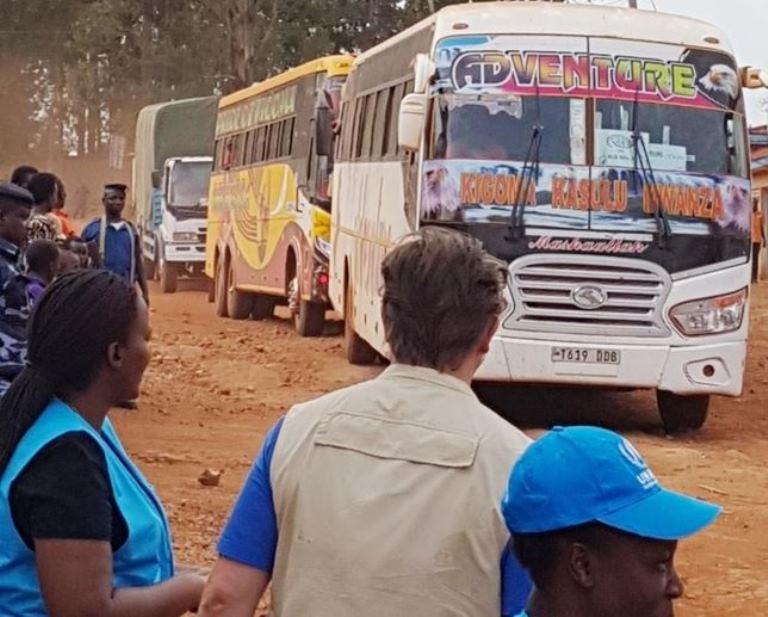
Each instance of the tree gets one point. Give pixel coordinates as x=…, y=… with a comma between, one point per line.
x=82, y=72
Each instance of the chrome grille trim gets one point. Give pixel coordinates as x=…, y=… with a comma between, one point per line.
x=543, y=286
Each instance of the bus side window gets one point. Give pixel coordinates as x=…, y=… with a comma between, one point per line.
x=369, y=119
x=217, y=150
x=237, y=156
x=359, y=124
x=290, y=124
x=226, y=162
x=247, y=157
x=341, y=136
x=258, y=143
x=381, y=126
x=394, y=111
x=268, y=152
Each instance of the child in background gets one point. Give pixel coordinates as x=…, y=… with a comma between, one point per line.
x=80, y=249
x=42, y=266
x=68, y=262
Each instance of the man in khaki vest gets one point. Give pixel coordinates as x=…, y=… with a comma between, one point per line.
x=383, y=499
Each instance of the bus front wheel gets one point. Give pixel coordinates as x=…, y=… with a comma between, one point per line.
x=680, y=413
x=169, y=277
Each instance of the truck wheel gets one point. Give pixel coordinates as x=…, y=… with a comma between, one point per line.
x=220, y=286
x=239, y=304
x=681, y=413
x=309, y=319
x=263, y=307
x=358, y=351
x=149, y=268
x=169, y=276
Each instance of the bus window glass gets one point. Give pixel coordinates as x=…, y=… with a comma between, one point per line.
x=486, y=127
x=677, y=138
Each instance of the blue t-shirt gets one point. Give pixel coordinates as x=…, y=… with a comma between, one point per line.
x=119, y=246
x=250, y=536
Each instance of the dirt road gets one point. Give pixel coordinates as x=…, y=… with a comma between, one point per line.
x=216, y=386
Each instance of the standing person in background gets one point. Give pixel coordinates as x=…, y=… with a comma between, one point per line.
x=595, y=529
x=22, y=175
x=42, y=257
x=15, y=205
x=67, y=229
x=113, y=242
x=43, y=224
x=81, y=530
x=383, y=499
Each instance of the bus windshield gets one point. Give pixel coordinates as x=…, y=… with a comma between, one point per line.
x=678, y=139
x=495, y=128
x=189, y=184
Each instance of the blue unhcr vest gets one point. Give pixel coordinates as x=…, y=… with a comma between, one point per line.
x=145, y=559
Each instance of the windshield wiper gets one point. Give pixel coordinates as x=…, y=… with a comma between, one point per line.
x=643, y=165
x=529, y=173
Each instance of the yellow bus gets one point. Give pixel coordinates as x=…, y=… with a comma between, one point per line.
x=269, y=200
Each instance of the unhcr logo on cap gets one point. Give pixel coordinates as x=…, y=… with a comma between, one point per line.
x=645, y=476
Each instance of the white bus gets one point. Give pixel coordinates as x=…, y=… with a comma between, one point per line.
x=601, y=152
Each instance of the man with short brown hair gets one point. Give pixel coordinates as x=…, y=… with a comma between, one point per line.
x=382, y=499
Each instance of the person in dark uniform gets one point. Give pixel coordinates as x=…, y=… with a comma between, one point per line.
x=15, y=207
x=113, y=242
x=114, y=245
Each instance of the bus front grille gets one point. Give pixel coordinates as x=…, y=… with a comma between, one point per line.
x=583, y=295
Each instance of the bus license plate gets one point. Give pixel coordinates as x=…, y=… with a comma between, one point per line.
x=584, y=355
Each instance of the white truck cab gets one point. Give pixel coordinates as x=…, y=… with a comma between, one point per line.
x=174, y=238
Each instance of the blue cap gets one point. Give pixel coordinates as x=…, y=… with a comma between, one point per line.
x=581, y=474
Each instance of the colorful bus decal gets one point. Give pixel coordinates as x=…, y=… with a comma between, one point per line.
x=566, y=197
x=666, y=74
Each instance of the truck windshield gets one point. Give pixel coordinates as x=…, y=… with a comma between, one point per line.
x=189, y=184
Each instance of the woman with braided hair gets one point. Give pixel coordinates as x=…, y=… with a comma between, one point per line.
x=81, y=531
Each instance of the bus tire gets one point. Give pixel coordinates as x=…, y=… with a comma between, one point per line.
x=357, y=350
x=220, y=286
x=169, y=277
x=149, y=268
x=239, y=304
x=681, y=413
x=309, y=319
x=263, y=307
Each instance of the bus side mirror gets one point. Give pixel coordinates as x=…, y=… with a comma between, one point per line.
x=753, y=78
x=156, y=179
x=423, y=71
x=410, y=126
x=323, y=132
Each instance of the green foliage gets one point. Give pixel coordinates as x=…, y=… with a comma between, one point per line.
x=81, y=69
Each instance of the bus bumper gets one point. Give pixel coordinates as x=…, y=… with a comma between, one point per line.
x=184, y=253
x=695, y=369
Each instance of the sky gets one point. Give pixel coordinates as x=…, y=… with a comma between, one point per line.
x=746, y=26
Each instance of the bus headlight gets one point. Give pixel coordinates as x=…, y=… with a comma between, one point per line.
x=185, y=237
x=710, y=315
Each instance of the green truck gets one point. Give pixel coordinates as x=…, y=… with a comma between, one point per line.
x=171, y=169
